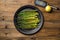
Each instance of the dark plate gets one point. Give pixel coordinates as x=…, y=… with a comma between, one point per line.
x=31, y=31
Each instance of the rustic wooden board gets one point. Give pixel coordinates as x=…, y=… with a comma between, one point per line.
x=50, y=30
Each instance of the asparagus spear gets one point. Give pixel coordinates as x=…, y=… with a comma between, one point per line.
x=25, y=26
x=27, y=14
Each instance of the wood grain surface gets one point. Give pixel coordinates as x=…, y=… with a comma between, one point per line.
x=49, y=31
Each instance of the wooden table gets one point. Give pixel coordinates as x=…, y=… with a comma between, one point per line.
x=50, y=30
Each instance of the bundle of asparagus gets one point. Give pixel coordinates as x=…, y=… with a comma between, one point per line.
x=28, y=19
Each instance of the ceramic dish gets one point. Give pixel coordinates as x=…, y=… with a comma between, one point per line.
x=29, y=31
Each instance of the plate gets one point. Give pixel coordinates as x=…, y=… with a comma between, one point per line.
x=29, y=31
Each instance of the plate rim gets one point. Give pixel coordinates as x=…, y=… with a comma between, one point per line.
x=28, y=7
